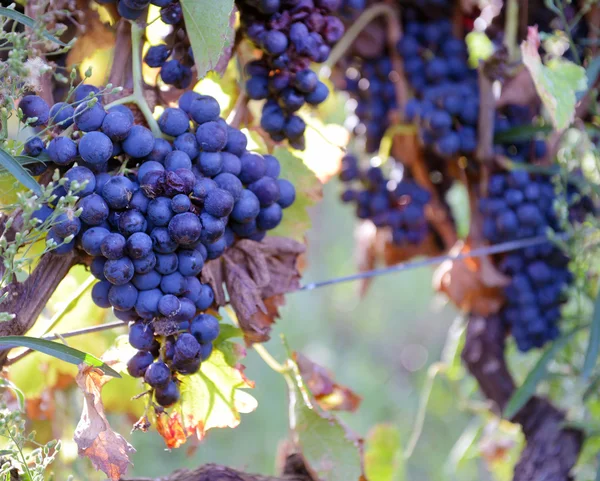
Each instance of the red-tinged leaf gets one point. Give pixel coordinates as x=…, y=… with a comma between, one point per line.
x=94, y=437
x=211, y=398
x=171, y=429
x=330, y=395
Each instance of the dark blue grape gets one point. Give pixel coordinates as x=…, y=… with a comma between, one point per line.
x=157, y=55
x=36, y=107
x=211, y=136
x=158, y=375
x=89, y=119
x=139, y=363
x=174, y=121
x=95, y=148
x=61, y=114
x=141, y=336
x=123, y=298
x=119, y=271
x=62, y=151
x=117, y=125
x=139, y=143
x=113, y=246
x=94, y=210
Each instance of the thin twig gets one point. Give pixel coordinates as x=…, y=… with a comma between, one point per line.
x=357, y=27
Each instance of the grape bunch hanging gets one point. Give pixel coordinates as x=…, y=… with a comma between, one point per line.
x=291, y=36
x=150, y=214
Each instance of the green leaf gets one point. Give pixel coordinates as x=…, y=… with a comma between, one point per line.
x=29, y=22
x=521, y=133
x=591, y=355
x=538, y=374
x=19, y=172
x=5, y=383
x=556, y=83
x=296, y=221
x=326, y=446
x=328, y=450
x=208, y=26
x=60, y=351
x=383, y=454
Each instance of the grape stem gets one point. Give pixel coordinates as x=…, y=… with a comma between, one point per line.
x=357, y=27
x=137, y=97
x=511, y=29
x=270, y=360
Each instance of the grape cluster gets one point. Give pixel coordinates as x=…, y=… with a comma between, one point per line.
x=291, y=35
x=520, y=206
x=446, y=102
x=150, y=230
x=170, y=11
x=174, y=57
x=392, y=202
x=368, y=82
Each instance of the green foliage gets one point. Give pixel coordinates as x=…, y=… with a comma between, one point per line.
x=557, y=83
x=60, y=351
x=538, y=374
x=208, y=25
x=19, y=172
x=384, y=460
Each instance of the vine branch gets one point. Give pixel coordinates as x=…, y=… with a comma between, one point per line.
x=552, y=449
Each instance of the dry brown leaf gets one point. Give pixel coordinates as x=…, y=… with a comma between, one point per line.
x=473, y=284
x=330, y=395
x=212, y=274
x=94, y=437
x=96, y=36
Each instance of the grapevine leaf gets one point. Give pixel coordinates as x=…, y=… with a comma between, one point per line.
x=521, y=133
x=257, y=275
x=209, y=29
x=59, y=351
x=329, y=395
x=556, y=83
x=95, y=439
x=19, y=172
x=535, y=376
x=296, y=221
x=329, y=450
x=473, y=284
x=29, y=22
x=593, y=349
x=384, y=460
x=210, y=398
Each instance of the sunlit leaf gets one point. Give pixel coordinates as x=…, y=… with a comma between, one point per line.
x=211, y=398
x=384, y=460
x=556, y=83
x=209, y=29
